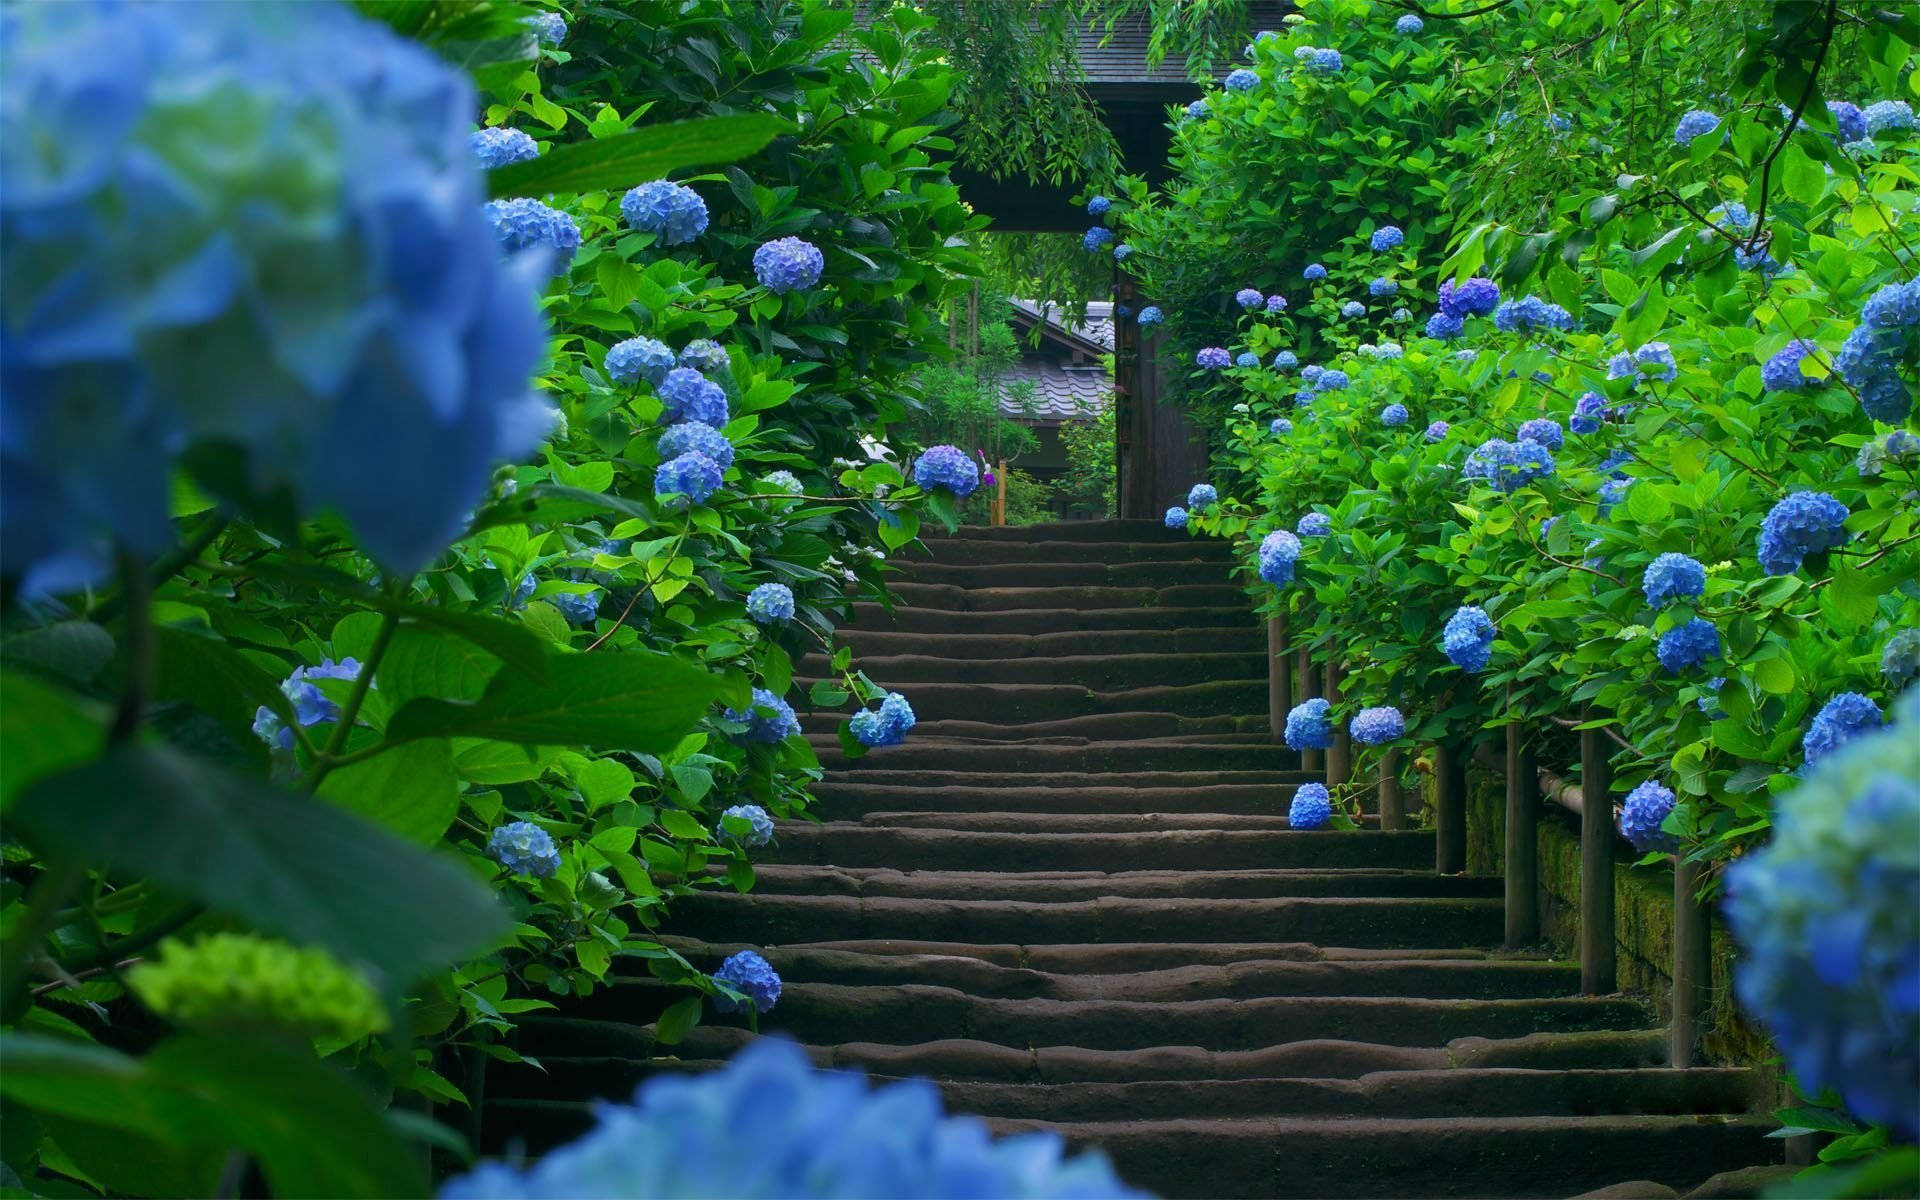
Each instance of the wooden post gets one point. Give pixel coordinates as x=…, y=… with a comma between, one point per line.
x=1340, y=754
x=1393, y=802
x=1306, y=688
x=1523, y=841
x=1000, y=494
x=1597, y=955
x=1691, y=964
x=1450, y=808
x=1279, y=678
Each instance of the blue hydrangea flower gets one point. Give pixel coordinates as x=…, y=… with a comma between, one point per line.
x=1248, y=298
x=1468, y=638
x=1176, y=518
x=1246, y=358
x=771, y=1126
x=1276, y=303
x=1437, y=431
x=581, y=609
x=1242, y=80
x=1331, y=381
x=1313, y=273
x=639, y=358
x=221, y=227
x=1311, y=808
x=1151, y=315
x=1387, y=237
x=1286, y=360
x=1280, y=427
x=690, y=478
x=1444, y=328
x=1202, y=496
x=1474, y=297
x=1870, y=360
x=1803, y=523
x=674, y=213
x=1319, y=61
x=1888, y=116
x=1380, y=285
x=1353, y=308
x=496, y=147
x=785, y=481
x=1530, y=313
x=769, y=720
x=947, y=467
x=1212, y=357
x=1098, y=206
x=1310, y=725
x=753, y=977
x=311, y=706
x=1278, y=552
x=1196, y=110
x=1409, y=24
x=1900, y=661
x=788, y=264
x=1507, y=466
x=687, y=395
x=1312, y=372
x=1588, y=413
x=1640, y=817
x=1687, y=646
x=1614, y=461
x=759, y=829
x=1314, y=524
x=1097, y=238
x=1612, y=492
x=1694, y=123
x=1543, y=430
x=1892, y=447
x=523, y=223
x=1393, y=414
x=1655, y=361
x=1897, y=305
x=770, y=604
x=1673, y=577
x=1781, y=373
x=1121, y=253
x=1304, y=398
x=524, y=849
x=1828, y=920
x=1732, y=217
x=1838, y=722
x=1377, y=726
x=705, y=356
x=690, y=436
x=1851, y=121
x=1403, y=313
x=549, y=27
x=886, y=725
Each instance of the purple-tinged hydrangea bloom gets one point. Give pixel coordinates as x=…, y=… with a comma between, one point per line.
x=1377, y=726
x=1900, y=661
x=523, y=223
x=1468, y=638
x=691, y=436
x=1314, y=272
x=1246, y=358
x=1393, y=414
x=1310, y=725
x=1276, y=303
x=1151, y=315
x=1278, y=552
x=1319, y=61
x=1640, y=817
x=1687, y=646
x=770, y=604
x=1475, y=297
x=581, y=609
x=1444, y=328
x=1304, y=397
x=1286, y=360
x=1437, y=431
x=1213, y=357
x=549, y=27
x=759, y=829
x=1888, y=116
x=1544, y=430
x=768, y=719
x=1387, y=237
x=1314, y=524
x=1673, y=577
x=311, y=706
x=1589, y=411
x=524, y=849
x=1353, y=308
x=687, y=395
x=1311, y=373
x=1838, y=722
x=811, y=1134
x=1409, y=24
x=1380, y=285
x=1655, y=361
x=705, y=356
x=1311, y=808
x=1529, y=313
x=1802, y=524
x=1781, y=373
x=788, y=264
x=1176, y=518
x=947, y=467
x=639, y=358
x=1202, y=496
x=753, y=977
x=1097, y=238
x=1242, y=80
x=886, y=725
x=1507, y=466
x=692, y=477
x=1694, y=123
x=1098, y=206
x=1870, y=360
x=497, y=146
x=674, y=213
x=1897, y=305
x=1331, y=381
x=1280, y=427
x=1851, y=121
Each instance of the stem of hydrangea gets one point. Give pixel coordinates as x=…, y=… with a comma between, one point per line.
x=137, y=639
x=331, y=757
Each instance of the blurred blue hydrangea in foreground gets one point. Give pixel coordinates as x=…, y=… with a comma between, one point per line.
x=770, y=1124
x=316, y=284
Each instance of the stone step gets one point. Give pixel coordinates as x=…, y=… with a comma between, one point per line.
x=1076, y=822
x=1001, y=551
x=848, y=800
x=1122, y=529
x=1160, y=573
x=1018, y=703
x=946, y=597
x=1104, y=614
x=850, y=844
x=1107, y=727
x=1243, y=638
x=1098, y=671
x=925, y=748
x=1129, y=957
x=1047, y=886
x=874, y=772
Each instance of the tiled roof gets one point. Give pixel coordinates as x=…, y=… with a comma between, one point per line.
x=1097, y=328
x=1060, y=393
x=1123, y=57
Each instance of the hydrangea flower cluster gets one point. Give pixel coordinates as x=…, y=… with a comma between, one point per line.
x=639, y=358
x=1900, y=661
x=674, y=213
x=1353, y=308
x=1276, y=303
x=1241, y=80
x=1409, y=24
x=524, y=849
x=311, y=706
x=1508, y=466
x=523, y=223
x=1319, y=61
x=1468, y=638
x=1286, y=360
x=549, y=27
x=691, y=437
x=752, y=976
x=1694, y=123
x=1098, y=206
x=1314, y=524
x=1387, y=237
x=1278, y=552
x=1871, y=357
x=814, y=1134
x=1803, y=524
x=1444, y=328
x=1246, y=358
x=1544, y=431
x=1312, y=807
x=687, y=395
x=690, y=478
x=1097, y=238
x=317, y=284
x=1377, y=726
x=1151, y=315
x=1687, y=646
x=1249, y=298
x=886, y=725
x=788, y=264
x=1529, y=313
x=1888, y=116
x=1655, y=361
x=1202, y=496
x=496, y=146
x=1437, y=431
x=1120, y=254
x=1310, y=725
x=1673, y=577
x=581, y=609
x=1827, y=916
x=1474, y=297
x=769, y=720
x=1589, y=411
x=1838, y=722
x=1196, y=110
x=1212, y=358
x=1393, y=415
x=1176, y=518
x=1380, y=285
x=1851, y=121
x=222, y=982
x=1313, y=273
x=770, y=604
x=947, y=467
x=1280, y=427
x=1640, y=817
x=1612, y=492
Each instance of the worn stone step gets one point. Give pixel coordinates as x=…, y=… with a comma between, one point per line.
x=1103, y=614
x=1159, y=573
x=925, y=749
x=1001, y=551
x=1015, y=703
x=1083, y=822
x=1099, y=671
x=945, y=597
x=1243, y=638
x=1108, y=530
x=1047, y=886
x=1106, y=727
x=853, y=845
x=1124, y=957
x=875, y=772
x=851, y=801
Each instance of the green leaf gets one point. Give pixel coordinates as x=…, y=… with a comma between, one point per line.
x=677, y=1021
x=1824, y=1119
x=618, y=163
x=287, y=864
x=42, y=731
x=626, y=700
x=1776, y=676
x=511, y=643
x=603, y=781
x=411, y=790
x=213, y=677
x=72, y=650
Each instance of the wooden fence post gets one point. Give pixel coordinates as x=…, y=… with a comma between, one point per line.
x=1449, y=808
x=1340, y=754
x=1279, y=677
x=1691, y=964
x=1393, y=802
x=1306, y=687
x=1523, y=841
x=1597, y=954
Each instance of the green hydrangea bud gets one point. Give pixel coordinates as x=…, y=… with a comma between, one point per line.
x=229, y=982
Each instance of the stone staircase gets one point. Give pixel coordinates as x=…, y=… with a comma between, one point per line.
x=1073, y=900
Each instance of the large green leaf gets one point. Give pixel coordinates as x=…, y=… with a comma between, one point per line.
x=213, y=677
x=628, y=700
x=411, y=790
x=618, y=163
x=285, y=863
x=42, y=730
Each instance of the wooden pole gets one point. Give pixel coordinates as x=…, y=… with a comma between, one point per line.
x=1597, y=955
x=1000, y=494
x=1307, y=687
x=1393, y=802
x=1450, y=808
x=1691, y=964
x=1523, y=841
x=1279, y=678
x=1340, y=754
